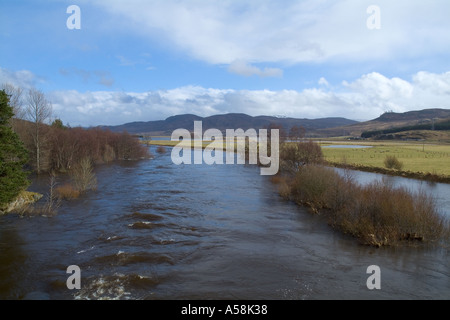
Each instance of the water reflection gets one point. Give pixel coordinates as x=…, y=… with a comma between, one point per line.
x=12, y=260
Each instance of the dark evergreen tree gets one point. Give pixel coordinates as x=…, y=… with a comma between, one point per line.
x=13, y=156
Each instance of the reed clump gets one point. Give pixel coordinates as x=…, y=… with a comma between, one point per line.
x=67, y=192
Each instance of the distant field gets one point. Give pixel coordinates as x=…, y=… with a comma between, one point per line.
x=176, y=143
x=165, y=141
x=424, y=158
x=416, y=157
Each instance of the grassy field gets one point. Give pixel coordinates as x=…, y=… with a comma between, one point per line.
x=422, y=158
x=416, y=157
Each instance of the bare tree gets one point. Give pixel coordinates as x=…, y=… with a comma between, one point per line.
x=83, y=175
x=38, y=110
x=53, y=202
x=297, y=133
x=15, y=95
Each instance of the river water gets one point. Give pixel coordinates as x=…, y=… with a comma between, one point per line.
x=154, y=230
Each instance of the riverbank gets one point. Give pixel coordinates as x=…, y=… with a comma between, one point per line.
x=377, y=214
x=399, y=173
x=21, y=202
x=428, y=162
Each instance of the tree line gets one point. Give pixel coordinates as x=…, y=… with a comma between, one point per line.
x=438, y=126
x=32, y=139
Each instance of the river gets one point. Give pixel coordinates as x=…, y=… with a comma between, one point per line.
x=154, y=230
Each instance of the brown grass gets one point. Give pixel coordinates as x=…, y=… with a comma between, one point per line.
x=161, y=149
x=67, y=192
x=276, y=179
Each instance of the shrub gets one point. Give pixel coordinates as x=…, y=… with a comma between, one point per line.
x=83, y=175
x=284, y=190
x=67, y=192
x=109, y=154
x=311, y=186
x=377, y=214
x=283, y=184
x=384, y=215
x=294, y=156
x=391, y=162
x=129, y=148
x=161, y=149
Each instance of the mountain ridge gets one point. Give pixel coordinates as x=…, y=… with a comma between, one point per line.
x=226, y=121
x=321, y=127
x=389, y=120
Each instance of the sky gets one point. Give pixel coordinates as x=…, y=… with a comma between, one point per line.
x=113, y=62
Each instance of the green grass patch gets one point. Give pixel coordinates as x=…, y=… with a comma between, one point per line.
x=417, y=158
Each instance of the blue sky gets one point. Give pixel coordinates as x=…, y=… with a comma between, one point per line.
x=139, y=60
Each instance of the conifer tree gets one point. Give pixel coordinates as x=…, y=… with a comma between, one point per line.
x=13, y=156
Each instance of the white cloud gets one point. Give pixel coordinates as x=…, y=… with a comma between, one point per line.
x=290, y=31
x=323, y=82
x=364, y=98
x=426, y=90
x=23, y=78
x=433, y=83
x=100, y=76
x=125, y=61
x=242, y=68
x=377, y=86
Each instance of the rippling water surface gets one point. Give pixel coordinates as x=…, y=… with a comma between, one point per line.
x=154, y=230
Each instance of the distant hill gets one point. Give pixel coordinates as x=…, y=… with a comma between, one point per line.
x=391, y=121
x=420, y=117
x=435, y=125
x=227, y=121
